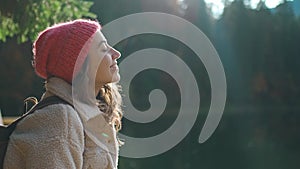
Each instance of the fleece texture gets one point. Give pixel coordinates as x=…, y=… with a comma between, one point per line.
x=54, y=137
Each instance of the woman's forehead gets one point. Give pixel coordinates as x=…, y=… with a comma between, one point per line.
x=99, y=36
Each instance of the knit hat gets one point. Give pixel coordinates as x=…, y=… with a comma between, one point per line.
x=58, y=48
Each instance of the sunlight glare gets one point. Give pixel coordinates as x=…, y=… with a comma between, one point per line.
x=216, y=6
x=252, y=3
x=273, y=3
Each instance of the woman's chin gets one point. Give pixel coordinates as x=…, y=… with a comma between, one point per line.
x=116, y=77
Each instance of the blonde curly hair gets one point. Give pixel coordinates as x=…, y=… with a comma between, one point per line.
x=110, y=102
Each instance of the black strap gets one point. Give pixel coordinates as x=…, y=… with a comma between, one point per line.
x=46, y=102
x=43, y=103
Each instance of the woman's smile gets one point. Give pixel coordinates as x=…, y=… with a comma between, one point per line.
x=114, y=67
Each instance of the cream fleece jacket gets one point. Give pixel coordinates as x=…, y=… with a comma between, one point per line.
x=54, y=138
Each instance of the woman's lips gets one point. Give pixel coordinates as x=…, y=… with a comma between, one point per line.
x=114, y=66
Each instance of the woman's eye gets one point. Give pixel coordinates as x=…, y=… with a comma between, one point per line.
x=104, y=49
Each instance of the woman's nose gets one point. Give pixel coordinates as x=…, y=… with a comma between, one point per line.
x=115, y=54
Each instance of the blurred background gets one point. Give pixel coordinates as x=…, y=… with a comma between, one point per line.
x=258, y=44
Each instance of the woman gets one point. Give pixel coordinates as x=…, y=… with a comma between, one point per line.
x=79, y=67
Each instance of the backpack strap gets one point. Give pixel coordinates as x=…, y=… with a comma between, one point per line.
x=6, y=131
x=43, y=103
x=46, y=102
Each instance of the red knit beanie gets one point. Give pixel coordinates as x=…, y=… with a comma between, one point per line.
x=57, y=48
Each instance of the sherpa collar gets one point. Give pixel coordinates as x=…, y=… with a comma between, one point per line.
x=103, y=134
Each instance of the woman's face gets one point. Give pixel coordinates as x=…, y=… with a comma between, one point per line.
x=105, y=57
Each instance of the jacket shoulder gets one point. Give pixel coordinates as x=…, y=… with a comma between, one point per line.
x=53, y=121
